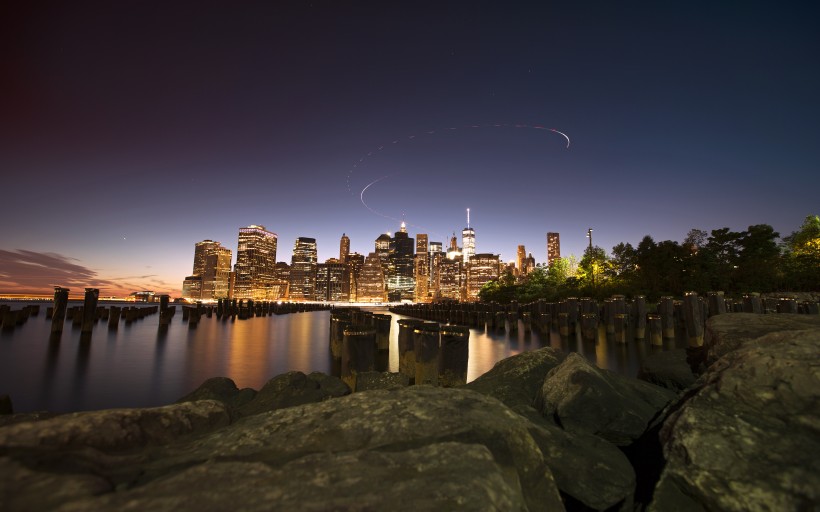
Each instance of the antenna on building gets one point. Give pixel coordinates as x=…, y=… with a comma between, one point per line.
x=468, y=218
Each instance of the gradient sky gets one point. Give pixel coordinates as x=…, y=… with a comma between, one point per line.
x=130, y=130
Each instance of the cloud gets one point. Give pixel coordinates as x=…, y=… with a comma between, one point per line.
x=24, y=271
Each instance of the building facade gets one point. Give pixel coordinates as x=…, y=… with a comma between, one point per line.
x=255, y=263
x=344, y=248
x=212, y=267
x=332, y=281
x=371, y=283
x=482, y=269
x=303, y=266
x=553, y=248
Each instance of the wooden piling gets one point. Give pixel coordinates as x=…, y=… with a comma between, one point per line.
x=358, y=352
x=382, y=324
x=455, y=350
x=639, y=314
x=589, y=326
x=60, y=303
x=666, y=310
x=655, y=330
x=426, y=348
x=90, y=309
x=407, y=354
x=114, y=318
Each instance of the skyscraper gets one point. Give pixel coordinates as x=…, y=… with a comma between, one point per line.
x=255, y=262
x=520, y=256
x=344, y=248
x=371, y=287
x=332, y=281
x=212, y=267
x=553, y=247
x=421, y=271
x=303, y=269
x=482, y=269
x=468, y=240
x=400, y=278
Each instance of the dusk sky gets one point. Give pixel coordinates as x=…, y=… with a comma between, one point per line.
x=130, y=130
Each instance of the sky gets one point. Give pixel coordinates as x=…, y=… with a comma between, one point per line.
x=131, y=130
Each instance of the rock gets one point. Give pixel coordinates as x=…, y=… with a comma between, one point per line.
x=747, y=439
x=21, y=417
x=584, y=398
x=381, y=421
x=667, y=369
x=117, y=429
x=516, y=380
x=294, y=388
x=22, y=488
x=222, y=389
x=381, y=380
x=587, y=469
x=725, y=333
x=440, y=476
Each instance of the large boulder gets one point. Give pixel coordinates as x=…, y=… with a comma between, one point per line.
x=667, y=369
x=409, y=449
x=749, y=437
x=517, y=379
x=587, y=469
x=294, y=388
x=367, y=381
x=222, y=389
x=725, y=333
x=584, y=398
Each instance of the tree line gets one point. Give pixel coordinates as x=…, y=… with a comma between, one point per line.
x=735, y=262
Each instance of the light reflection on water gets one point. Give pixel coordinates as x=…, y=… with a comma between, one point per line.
x=139, y=366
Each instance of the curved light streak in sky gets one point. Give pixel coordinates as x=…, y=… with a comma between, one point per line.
x=431, y=132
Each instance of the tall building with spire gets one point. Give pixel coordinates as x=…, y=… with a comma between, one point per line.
x=255, y=268
x=468, y=240
x=553, y=248
x=520, y=256
x=344, y=248
x=303, y=266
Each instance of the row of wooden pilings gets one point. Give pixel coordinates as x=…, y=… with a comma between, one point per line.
x=232, y=309
x=618, y=315
x=429, y=353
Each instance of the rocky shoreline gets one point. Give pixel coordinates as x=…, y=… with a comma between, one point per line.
x=543, y=430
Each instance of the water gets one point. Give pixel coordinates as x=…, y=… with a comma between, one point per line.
x=137, y=366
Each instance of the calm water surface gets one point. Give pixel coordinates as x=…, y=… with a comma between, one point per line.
x=137, y=366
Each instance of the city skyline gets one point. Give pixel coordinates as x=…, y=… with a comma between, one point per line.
x=133, y=131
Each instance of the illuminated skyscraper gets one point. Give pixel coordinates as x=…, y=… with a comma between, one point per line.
x=468, y=240
x=303, y=270
x=422, y=270
x=355, y=262
x=451, y=279
x=332, y=281
x=344, y=248
x=371, y=282
x=400, y=278
x=255, y=262
x=482, y=269
x=453, y=251
x=212, y=267
x=520, y=256
x=553, y=248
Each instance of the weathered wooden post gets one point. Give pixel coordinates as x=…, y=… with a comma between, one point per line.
x=666, y=310
x=572, y=313
x=639, y=313
x=407, y=354
x=426, y=348
x=60, y=303
x=90, y=309
x=382, y=324
x=620, y=328
x=526, y=321
x=752, y=303
x=358, y=352
x=655, y=330
x=339, y=321
x=114, y=318
x=455, y=351
x=589, y=326
x=695, y=351
x=563, y=324
x=609, y=316
x=787, y=305
x=717, y=303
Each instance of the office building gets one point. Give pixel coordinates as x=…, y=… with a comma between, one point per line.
x=255, y=263
x=451, y=282
x=520, y=256
x=400, y=277
x=332, y=281
x=355, y=262
x=553, y=248
x=344, y=248
x=303, y=265
x=468, y=240
x=371, y=283
x=482, y=269
x=212, y=267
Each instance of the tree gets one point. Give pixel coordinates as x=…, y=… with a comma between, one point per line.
x=695, y=240
x=802, y=259
x=758, y=262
